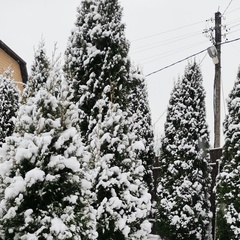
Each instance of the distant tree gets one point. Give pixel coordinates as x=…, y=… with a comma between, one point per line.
x=39, y=72
x=122, y=200
x=141, y=122
x=184, y=182
x=9, y=104
x=97, y=59
x=228, y=183
x=43, y=171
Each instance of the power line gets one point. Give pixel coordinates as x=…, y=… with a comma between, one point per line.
x=184, y=59
x=191, y=78
x=160, y=117
x=173, y=51
x=203, y=59
x=170, y=53
x=172, y=40
x=230, y=41
x=182, y=37
x=166, y=42
x=233, y=21
x=171, y=30
x=234, y=25
x=234, y=10
x=227, y=7
x=234, y=31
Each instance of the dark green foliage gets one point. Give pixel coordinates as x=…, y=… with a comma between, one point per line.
x=9, y=104
x=223, y=230
x=39, y=73
x=47, y=187
x=43, y=171
x=98, y=70
x=184, y=182
x=142, y=125
x=96, y=59
x=122, y=200
x=228, y=195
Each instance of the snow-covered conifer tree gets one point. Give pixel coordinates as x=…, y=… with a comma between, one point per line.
x=43, y=171
x=96, y=59
x=122, y=200
x=141, y=122
x=97, y=68
x=228, y=185
x=9, y=104
x=184, y=182
x=39, y=72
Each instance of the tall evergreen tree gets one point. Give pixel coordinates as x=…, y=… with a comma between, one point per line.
x=43, y=172
x=141, y=122
x=96, y=59
x=9, y=104
x=122, y=201
x=228, y=185
x=184, y=182
x=97, y=68
x=39, y=72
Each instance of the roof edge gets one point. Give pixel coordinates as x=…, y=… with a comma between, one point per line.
x=21, y=62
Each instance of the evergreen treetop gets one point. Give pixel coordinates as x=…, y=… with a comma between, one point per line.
x=39, y=72
x=96, y=61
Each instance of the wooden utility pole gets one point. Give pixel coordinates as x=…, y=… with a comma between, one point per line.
x=217, y=81
x=217, y=151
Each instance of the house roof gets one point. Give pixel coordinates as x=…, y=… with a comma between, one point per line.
x=21, y=62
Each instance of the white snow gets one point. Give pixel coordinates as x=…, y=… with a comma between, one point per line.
x=18, y=185
x=72, y=199
x=61, y=162
x=33, y=176
x=27, y=216
x=72, y=163
x=30, y=237
x=11, y=213
x=66, y=135
x=85, y=184
x=57, y=226
x=153, y=237
x=175, y=220
x=5, y=168
x=138, y=145
x=22, y=153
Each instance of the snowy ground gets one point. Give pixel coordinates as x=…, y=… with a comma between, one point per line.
x=153, y=237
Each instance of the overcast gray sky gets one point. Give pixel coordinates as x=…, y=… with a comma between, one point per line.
x=160, y=33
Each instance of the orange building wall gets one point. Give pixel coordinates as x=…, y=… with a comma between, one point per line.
x=5, y=62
